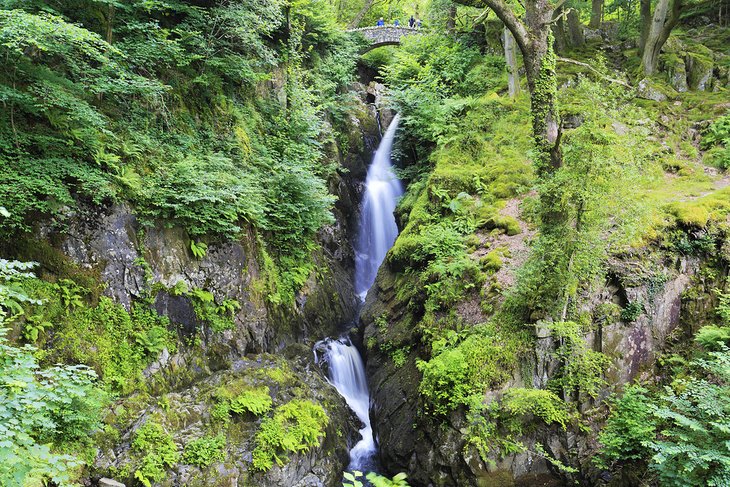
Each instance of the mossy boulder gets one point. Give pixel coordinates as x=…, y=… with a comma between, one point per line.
x=215, y=430
x=700, y=65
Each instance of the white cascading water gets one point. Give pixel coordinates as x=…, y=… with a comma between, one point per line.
x=377, y=233
x=347, y=373
x=378, y=229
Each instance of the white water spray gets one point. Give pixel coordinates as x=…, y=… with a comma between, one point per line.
x=377, y=233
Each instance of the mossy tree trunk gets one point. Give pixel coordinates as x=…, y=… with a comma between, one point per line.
x=596, y=14
x=655, y=30
x=575, y=29
x=510, y=56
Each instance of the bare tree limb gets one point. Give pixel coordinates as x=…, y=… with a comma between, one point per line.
x=585, y=65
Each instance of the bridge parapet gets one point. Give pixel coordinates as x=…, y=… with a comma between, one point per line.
x=384, y=35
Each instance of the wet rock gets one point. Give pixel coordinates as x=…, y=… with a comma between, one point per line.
x=104, y=482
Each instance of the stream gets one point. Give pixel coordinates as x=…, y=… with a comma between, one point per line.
x=376, y=233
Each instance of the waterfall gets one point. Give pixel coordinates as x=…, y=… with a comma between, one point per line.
x=376, y=235
x=347, y=373
x=377, y=230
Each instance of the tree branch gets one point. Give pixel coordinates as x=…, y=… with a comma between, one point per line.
x=585, y=65
x=507, y=16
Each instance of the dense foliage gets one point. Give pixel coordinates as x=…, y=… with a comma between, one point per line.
x=155, y=104
x=46, y=414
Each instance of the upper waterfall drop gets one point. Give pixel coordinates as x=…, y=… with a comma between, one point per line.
x=377, y=230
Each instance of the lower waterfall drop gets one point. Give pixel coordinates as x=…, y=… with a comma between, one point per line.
x=347, y=373
x=377, y=233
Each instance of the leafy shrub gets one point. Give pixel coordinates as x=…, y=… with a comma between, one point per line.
x=716, y=140
x=631, y=311
x=46, y=414
x=255, y=401
x=157, y=453
x=694, y=445
x=455, y=375
x=43, y=412
x=205, y=451
x=712, y=337
x=295, y=427
x=540, y=403
x=629, y=430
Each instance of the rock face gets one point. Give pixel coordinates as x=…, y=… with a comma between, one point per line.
x=156, y=263
x=189, y=414
x=433, y=452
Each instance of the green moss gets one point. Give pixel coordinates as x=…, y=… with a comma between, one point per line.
x=698, y=212
x=492, y=261
x=508, y=224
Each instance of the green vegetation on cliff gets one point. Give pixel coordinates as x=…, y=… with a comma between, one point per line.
x=501, y=287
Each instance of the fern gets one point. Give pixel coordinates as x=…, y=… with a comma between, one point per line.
x=199, y=249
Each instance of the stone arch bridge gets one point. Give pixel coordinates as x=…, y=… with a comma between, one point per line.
x=387, y=35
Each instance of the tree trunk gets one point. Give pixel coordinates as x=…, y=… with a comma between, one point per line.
x=361, y=14
x=575, y=29
x=451, y=19
x=559, y=31
x=662, y=23
x=644, y=22
x=596, y=14
x=510, y=57
x=109, y=23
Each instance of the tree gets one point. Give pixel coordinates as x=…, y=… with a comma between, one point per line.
x=534, y=37
x=655, y=30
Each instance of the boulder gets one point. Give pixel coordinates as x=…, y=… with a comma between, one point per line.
x=650, y=91
x=699, y=70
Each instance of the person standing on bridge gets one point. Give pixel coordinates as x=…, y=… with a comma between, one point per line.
x=380, y=22
x=411, y=22
x=396, y=23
